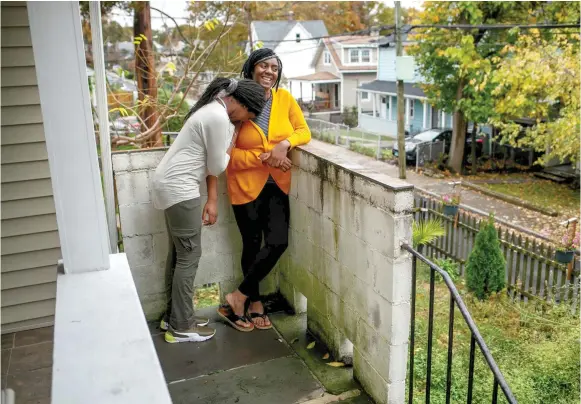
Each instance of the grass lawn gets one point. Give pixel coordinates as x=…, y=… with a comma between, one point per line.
x=355, y=133
x=537, y=351
x=543, y=193
x=207, y=296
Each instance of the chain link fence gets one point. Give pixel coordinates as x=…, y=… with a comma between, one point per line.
x=368, y=143
x=429, y=152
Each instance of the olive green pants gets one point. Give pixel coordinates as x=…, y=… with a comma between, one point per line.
x=184, y=227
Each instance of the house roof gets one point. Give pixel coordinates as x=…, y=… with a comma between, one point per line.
x=271, y=33
x=390, y=87
x=319, y=76
x=353, y=40
x=390, y=39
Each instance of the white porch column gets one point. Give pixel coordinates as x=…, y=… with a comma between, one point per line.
x=374, y=96
x=59, y=56
x=359, y=102
x=425, y=115
x=407, y=111
x=389, y=118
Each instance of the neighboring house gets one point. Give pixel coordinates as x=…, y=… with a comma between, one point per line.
x=341, y=64
x=382, y=117
x=292, y=41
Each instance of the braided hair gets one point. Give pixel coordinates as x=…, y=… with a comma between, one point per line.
x=247, y=92
x=256, y=57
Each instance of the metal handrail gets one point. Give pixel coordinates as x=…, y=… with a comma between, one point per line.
x=476, y=338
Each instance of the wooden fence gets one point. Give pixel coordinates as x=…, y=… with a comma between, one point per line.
x=531, y=270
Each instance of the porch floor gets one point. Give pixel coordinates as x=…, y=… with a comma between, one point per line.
x=248, y=368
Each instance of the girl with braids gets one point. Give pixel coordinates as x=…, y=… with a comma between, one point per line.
x=201, y=150
x=259, y=180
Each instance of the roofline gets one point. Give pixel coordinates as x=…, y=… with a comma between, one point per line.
x=359, y=71
x=417, y=97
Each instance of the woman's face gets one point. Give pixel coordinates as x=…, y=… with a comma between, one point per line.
x=266, y=72
x=238, y=113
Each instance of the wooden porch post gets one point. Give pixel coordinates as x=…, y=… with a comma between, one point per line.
x=425, y=115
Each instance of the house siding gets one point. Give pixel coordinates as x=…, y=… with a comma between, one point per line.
x=320, y=65
x=351, y=81
x=386, y=66
x=30, y=240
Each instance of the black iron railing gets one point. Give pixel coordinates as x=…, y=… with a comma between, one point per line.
x=475, y=339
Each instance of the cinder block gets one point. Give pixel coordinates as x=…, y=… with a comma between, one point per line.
x=392, y=321
x=133, y=187
x=160, y=246
x=343, y=316
x=370, y=379
x=330, y=236
x=145, y=160
x=121, y=162
x=296, y=300
x=141, y=219
x=314, y=229
x=319, y=300
x=393, y=277
x=153, y=305
x=139, y=250
x=353, y=255
x=221, y=239
x=374, y=348
x=149, y=279
x=396, y=392
x=269, y=285
x=398, y=360
x=215, y=268
x=301, y=279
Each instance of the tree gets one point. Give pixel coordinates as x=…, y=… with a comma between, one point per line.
x=457, y=65
x=485, y=269
x=540, y=79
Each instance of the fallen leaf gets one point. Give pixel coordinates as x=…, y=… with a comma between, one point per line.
x=311, y=345
x=326, y=356
x=336, y=364
x=294, y=340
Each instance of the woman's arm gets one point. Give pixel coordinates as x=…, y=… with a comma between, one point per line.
x=217, y=134
x=241, y=159
x=210, y=212
x=302, y=133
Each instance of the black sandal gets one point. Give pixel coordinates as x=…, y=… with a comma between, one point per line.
x=230, y=317
x=252, y=316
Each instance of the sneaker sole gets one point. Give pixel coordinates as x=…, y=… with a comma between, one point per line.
x=172, y=339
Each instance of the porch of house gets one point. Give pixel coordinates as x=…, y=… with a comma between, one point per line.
x=325, y=94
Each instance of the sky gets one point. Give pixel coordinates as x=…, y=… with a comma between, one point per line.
x=177, y=9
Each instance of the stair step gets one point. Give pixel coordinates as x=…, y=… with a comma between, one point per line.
x=550, y=177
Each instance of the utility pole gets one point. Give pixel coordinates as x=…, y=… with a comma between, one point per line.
x=400, y=98
x=145, y=74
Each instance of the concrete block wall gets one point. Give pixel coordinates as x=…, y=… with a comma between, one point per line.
x=145, y=237
x=347, y=226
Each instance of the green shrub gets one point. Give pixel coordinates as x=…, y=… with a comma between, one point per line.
x=350, y=117
x=450, y=267
x=359, y=148
x=485, y=268
x=173, y=124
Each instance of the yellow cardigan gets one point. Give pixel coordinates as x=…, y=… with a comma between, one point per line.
x=246, y=173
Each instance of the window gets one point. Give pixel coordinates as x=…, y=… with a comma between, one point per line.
x=364, y=96
x=354, y=56
x=366, y=56
x=327, y=58
x=412, y=103
x=298, y=37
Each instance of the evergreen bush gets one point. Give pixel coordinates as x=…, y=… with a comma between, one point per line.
x=485, y=269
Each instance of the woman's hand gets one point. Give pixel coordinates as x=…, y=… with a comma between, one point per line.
x=279, y=153
x=210, y=212
x=285, y=165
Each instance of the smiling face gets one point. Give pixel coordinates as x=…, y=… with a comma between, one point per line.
x=266, y=72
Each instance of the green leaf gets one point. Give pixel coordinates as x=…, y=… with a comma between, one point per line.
x=311, y=345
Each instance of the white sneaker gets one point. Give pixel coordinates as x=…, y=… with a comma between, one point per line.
x=195, y=334
x=203, y=321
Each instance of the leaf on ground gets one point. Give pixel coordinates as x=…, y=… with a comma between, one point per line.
x=311, y=345
x=326, y=356
x=336, y=364
x=294, y=340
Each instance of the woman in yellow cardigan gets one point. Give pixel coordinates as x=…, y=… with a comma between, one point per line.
x=259, y=179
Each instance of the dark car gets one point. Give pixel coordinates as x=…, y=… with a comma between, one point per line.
x=432, y=136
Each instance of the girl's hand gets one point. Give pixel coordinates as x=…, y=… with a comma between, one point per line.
x=210, y=212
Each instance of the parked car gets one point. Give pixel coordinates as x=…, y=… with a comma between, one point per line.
x=126, y=124
x=436, y=135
